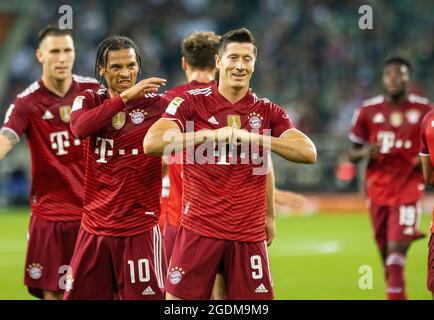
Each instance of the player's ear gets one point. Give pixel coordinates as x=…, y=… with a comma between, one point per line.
x=183, y=63
x=217, y=61
x=101, y=71
x=39, y=55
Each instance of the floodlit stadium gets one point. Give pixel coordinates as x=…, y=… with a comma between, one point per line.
x=319, y=60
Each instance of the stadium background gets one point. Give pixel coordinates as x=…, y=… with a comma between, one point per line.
x=313, y=59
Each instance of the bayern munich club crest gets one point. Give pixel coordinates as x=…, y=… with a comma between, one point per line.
x=35, y=271
x=255, y=120
x=175, y=275
x=138, y=116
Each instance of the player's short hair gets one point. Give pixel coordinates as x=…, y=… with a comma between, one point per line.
x=52, y=30
x=241, y=35
x=398, y=60
x=114, y=43
x=200, y=48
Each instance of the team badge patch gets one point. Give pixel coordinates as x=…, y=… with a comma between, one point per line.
x=65, y=113
x=255, y=120
x=35, y=271
x=118, y=121
x=234, y=121
x=412, y=116
x=137, y=116
x=173, y=105
x=78, y=103
x=396, y=119
x=175, y=275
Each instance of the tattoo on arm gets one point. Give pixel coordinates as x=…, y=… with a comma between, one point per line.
x=11, y=137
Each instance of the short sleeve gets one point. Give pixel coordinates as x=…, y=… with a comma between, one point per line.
x=359, y=131
x=280, y=121
x=17, y=118
x=178, y=109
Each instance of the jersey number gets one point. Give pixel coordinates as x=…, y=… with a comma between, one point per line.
x=256, y=264
x=407, y=215
x=143, y=270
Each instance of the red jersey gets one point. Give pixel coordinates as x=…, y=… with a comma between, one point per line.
x=427, y=145
x=393, y=178
x=174, y=206
x=121, y=185
x=225, y=199
x=57, y=156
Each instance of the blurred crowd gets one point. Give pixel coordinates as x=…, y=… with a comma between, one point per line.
x=312, y=57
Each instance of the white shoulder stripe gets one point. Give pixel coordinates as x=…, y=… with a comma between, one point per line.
x=414, y=98
x=356, y=139
x=201, y=91
x=82, y=79
x=30, y=89
x=373, y=101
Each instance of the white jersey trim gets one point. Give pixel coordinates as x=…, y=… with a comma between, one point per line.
x=30, y=89
x=414, y=98
x=373, y=101
x=175, y=119
x=356, y=139
x=11, y=131
x=82, y=79
x=158, y=256
x=424, y=154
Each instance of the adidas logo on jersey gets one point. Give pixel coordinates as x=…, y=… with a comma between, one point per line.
x=213, y=120
x=47, y=115
x=148, y=291
x=261, y=289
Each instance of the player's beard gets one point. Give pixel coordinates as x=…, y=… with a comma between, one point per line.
x=398, y=96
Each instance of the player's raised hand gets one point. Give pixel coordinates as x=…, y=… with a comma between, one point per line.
x=150, y=85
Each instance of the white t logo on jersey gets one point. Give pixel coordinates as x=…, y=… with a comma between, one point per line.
x=103, y=151
x=60, y=141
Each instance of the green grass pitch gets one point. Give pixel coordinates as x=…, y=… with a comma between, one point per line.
x=312, y=257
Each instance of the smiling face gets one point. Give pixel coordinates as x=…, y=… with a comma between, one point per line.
x=57, y=55
x=121, y=70
x=236, y=64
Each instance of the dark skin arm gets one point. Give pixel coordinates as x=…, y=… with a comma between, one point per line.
x=359, y=151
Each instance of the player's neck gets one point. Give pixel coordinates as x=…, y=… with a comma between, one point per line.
x=58, y=87
x=202, y=76
x=232, y=94
x=397, y=98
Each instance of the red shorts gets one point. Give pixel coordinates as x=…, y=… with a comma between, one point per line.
x=396, y=223
x=49, y=251
x=169, y=239
x=430, y=278
x=196, y=260
x=124, y=268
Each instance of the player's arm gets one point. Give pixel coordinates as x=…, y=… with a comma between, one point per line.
x=165, y=137
x=427, y=169
x=293, y=145
x=270, y=226
x=87, y=119
x=7, y=141
x=359, y=151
